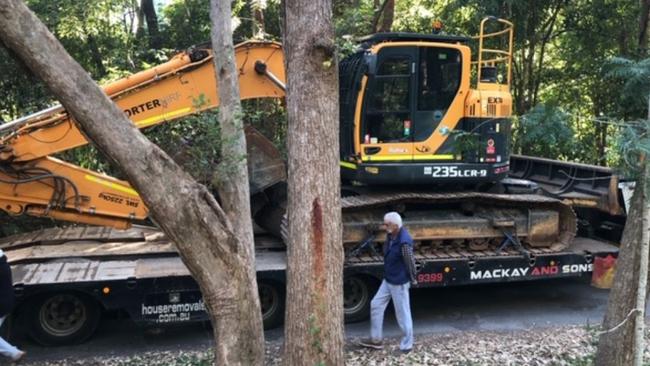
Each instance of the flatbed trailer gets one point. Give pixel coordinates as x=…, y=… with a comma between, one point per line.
x=66, y=279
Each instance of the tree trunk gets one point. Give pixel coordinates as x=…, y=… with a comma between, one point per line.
x=139, y=31
x=184, y=209
x=96, y=56
x=152, y=23
x=642, y=288
x=379, y=10
x=644, y=15
x=257, y=13
x=232, y=175
x=387, y=17
x=619, y=346
x=314, y=314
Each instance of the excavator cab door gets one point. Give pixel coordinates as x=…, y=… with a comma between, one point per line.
x=438, y=82
x=387, y=117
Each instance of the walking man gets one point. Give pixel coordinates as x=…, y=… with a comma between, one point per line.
x=399, y=275
x=6, y=303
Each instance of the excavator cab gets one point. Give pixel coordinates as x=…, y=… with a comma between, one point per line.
x=410, y=116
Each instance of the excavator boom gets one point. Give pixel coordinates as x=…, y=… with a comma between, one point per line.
x=33, y=182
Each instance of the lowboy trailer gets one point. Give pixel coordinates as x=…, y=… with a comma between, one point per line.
x=67, y=279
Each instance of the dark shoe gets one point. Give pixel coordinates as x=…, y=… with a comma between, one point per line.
x=369, y=343
x=399, y=352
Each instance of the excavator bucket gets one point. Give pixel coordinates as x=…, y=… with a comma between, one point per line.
x=265, y=164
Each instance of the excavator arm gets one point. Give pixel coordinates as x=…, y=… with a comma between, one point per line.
x=35, y=183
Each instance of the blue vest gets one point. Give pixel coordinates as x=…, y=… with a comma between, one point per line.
x=395, y=271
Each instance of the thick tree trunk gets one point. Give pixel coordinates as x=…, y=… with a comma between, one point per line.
x=314, y=314
x=184, y=209
x=617, y=347
x=232, y=175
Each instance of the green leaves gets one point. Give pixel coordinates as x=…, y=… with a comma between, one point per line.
x=545, y=132
x=632, y=79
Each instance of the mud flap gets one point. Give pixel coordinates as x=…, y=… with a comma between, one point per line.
x=603, y=273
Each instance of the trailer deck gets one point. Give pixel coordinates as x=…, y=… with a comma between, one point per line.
x=63, y=256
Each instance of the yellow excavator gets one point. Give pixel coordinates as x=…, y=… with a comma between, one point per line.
x=424, y=130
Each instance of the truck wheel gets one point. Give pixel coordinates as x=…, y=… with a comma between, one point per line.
x=357, y=294
x=63, y=318
x=272, y=304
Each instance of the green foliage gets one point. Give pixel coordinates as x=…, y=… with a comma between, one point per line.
x=544, y=132
x=345, y=46
x=269, y=117
x=19, y=224
x=633, y=80
x=194, y=142
x=186, y=23
x=352, y=18
x=632, y=142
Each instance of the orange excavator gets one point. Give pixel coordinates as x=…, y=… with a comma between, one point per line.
x=424, y=130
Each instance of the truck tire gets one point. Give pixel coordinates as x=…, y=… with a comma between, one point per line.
x=272, y=303
x=357, y=294
x=62, y=318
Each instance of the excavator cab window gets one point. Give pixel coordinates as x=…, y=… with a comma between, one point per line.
x=388, y=99
x=439, y=74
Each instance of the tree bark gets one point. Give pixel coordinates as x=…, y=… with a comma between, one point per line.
x=152, y=23
x=232, y=175
x=379, y=10
x=139, y=13
x=184, y=209
x=644, y=15
x=388, y=16
x=257, y=13
x=618, y=347
x=642, y=288
x=314, y=314
x=96, y=56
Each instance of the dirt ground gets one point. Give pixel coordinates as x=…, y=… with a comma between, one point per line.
x=550, y=346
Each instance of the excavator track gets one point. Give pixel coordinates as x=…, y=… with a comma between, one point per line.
x=445, y=225
x=467, y=224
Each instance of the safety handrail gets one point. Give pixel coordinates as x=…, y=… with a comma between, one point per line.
x=507, y=59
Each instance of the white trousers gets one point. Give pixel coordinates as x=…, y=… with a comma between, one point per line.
x=7, y=349
x=400, y=296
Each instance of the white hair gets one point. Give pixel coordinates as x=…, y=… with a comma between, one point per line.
x=393, y=218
